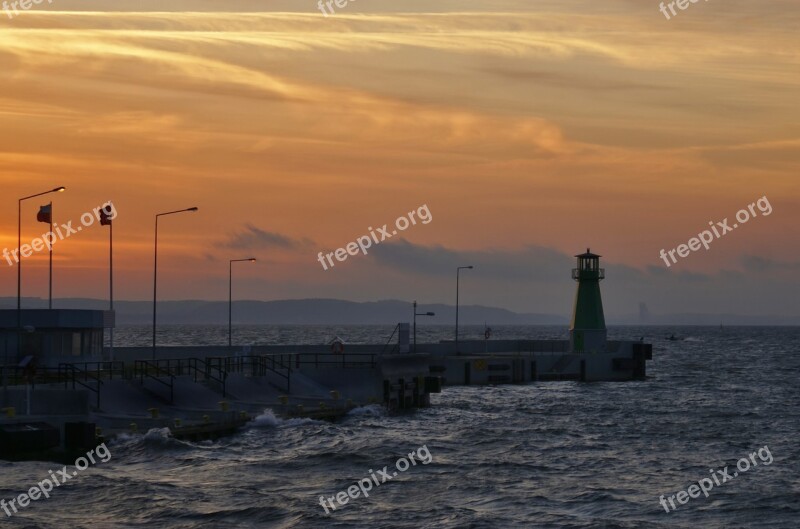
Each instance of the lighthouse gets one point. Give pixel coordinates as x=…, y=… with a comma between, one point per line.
x=587, y=332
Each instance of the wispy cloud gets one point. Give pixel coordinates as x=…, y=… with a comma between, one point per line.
x=755, y=263
x=253, y=238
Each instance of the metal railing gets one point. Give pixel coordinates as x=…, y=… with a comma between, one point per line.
x=87, y=375
x=345, y=360
x=197, y=368
x=99, y=369
x=282, y=364
x=82, y=375
x=278, y=364
x=145, y=368
x=579, y=273
x=208, y=370
x=16, y=375
x=396, y=347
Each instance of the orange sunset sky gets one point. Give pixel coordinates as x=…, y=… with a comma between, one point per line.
x=531, y=129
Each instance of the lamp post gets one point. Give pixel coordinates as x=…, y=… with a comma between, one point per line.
x=415, y=322
x=106, y=220
x=19, y=260
x=230, y=295
x=458, y=272
x=155, y=270
x=29, y=361
x=5, y=372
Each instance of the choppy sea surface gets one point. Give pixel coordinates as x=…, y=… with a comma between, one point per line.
x=549, y=454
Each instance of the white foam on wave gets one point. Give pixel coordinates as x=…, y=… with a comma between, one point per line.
x=154, y=434
x=158, y=434
x=268, y=419
x=372, y=410
x=125, y=437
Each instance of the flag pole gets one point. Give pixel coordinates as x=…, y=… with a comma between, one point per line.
x=50, y=305
x=111, y=281
x=106, y=220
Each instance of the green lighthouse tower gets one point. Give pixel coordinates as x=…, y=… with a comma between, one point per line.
x=587, y=332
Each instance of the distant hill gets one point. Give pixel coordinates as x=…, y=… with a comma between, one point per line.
x=341, y=312
x=295, y=311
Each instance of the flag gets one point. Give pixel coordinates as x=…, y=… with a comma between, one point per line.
x=45, y=214
x=105, y=217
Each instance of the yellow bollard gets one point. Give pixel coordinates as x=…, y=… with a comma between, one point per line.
x=243, y=415
x=225, y=405
x=98, y=432
x=335, y=394
x=206, y=419
x=153, y=413
x=134, y=427
x=177, y=423
x=349, y=403
x=10, y=412
x=284, y=399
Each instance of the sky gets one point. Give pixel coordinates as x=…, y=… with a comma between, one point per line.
x=530, y=131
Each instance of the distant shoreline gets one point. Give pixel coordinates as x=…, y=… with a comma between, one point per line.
x=384, y=312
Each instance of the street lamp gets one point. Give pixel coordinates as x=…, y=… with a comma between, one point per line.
x=415, y=322
x=19, y=260
x=155, y=270
x=5, y=372
x=458, y=271
x=230, y=295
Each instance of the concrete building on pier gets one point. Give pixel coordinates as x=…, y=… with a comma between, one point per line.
x=54, y=336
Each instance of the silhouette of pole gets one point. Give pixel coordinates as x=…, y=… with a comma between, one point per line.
x=458, y=271
x=19, y=261
x=50, y=302
x=155, y=269
x=230, y=295
x=106, y=220
x=415, y=322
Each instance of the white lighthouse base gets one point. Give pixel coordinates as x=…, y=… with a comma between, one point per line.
x=588, y=340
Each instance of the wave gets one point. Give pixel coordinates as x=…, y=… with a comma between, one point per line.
x=268, y=419
x=372, y=410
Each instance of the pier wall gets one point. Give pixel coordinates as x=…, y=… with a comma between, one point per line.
x=523, y=361
x=47, y=401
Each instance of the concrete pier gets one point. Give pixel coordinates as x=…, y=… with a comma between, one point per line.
x=203, y=392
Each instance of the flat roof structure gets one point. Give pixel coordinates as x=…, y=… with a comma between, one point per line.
x=53, y=335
